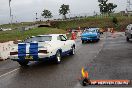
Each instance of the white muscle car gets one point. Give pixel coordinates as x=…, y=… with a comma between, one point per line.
x=43, y=47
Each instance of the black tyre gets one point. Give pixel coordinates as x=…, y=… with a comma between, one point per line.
x=127, y=39
x=83, y=41
x=58, y=57
x=98, y=40
x=73, y=51
x=23, y=63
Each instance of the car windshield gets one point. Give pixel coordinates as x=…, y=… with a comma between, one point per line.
x=90, y=30
x=38, y=39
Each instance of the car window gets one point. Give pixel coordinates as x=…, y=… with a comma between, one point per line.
x=128, y=27
x=131, y=28
x=63, y=38
x=90, y=30
x=39, y=39
x=58, y=38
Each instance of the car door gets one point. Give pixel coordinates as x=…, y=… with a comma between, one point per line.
x=68, y=43
x=65, y=43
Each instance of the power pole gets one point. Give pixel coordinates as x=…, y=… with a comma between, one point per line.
x=10, y=13
x=36, y=16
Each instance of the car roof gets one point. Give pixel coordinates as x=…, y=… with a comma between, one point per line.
x=48, y=35
x=92, y=29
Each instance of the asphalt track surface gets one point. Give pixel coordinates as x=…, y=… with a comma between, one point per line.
x=110, y=58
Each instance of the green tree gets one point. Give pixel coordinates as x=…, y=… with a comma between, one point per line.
x=111, y=7
x=114, y=20
x=103, y=6
x=106, y=7
x=47, y=14
x=64, y=9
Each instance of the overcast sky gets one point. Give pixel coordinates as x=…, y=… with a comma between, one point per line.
x=24, y=10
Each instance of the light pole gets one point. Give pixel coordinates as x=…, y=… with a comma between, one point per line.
x=36, y=16
x=10, y=13
x=12, y=19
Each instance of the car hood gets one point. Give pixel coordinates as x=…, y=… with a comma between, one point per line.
x=89, y=34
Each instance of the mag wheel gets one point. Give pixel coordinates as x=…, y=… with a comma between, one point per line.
x=58, y=57
x=73, y=51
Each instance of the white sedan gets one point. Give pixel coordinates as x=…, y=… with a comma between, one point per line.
x=43, y=47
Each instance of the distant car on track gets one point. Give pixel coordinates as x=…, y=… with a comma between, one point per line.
x=43, y=47
x=91, y=34
x=128, y=32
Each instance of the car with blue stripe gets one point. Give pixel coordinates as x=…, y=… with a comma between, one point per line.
x=90, y=34
x=41, y=48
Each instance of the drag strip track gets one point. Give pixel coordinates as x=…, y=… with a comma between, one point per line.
x=50, y=75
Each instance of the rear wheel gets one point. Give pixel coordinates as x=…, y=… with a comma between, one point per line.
x=127, y=39
x=58, y=57
x=23, y=63
x=98, y=40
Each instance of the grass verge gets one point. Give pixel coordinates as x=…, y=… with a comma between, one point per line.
x=18, y=35
x=104, y=22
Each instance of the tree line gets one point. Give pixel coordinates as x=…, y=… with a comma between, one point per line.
x=104, y=6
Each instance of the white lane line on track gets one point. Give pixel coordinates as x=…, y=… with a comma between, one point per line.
x=9, y=72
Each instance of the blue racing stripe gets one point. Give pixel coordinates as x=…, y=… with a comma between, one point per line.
x=21, y=51
x=33, y=50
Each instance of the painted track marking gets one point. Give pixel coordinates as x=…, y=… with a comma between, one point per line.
x=9, y=72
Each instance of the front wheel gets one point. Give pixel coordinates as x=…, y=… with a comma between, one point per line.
x=72, y=51
x=58, y=57
x=23, y=63
x=127, y=39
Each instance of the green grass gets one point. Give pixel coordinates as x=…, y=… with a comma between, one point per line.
x=103, y=22
x=18, y=35
x=16, y=25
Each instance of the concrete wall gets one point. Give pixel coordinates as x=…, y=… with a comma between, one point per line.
x=5, y=49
